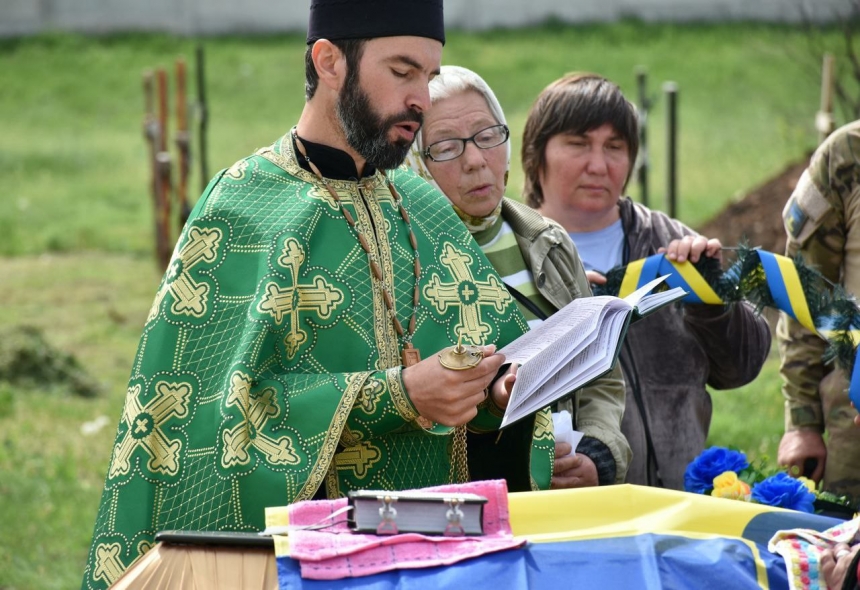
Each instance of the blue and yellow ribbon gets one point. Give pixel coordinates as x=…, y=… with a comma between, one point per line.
x=783, y=283
x=785, y=288
x=681, y=274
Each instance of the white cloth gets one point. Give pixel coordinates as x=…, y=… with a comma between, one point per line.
x=562, y=424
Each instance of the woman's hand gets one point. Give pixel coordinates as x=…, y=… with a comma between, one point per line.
x=572, y=471
x=692, y=248
x=835, y=563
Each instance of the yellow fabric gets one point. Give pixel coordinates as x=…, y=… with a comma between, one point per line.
x=698, y=284
x=611, y=511
x=279, y=516
x=795, y=292
x=631, y=277
x=591, y=513
x=627, y=510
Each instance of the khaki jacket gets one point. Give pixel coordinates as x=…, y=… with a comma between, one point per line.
x=560, y=277
x=822, y=223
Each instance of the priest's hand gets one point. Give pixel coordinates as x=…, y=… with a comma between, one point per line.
x=572, y=471
x=447, y=396
x=500, y=390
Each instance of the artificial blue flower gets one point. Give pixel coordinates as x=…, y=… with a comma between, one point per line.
x=784, y=491
x=700, y=473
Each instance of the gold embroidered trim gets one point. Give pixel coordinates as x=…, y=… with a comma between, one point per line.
x=491, y=407
x=333, y=434
x=374, y=198
x=386, y=338
x=399, y=396
x=332, y=484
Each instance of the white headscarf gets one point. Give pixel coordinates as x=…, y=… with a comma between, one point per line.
x=452, y=81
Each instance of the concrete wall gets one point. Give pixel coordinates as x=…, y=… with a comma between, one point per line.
x=208, y=17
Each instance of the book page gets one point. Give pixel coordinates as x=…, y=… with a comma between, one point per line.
x=542, y=358
x=655, y=301
x=572, y=347
x=576, y=370
x=634, y=298
x=579, y=316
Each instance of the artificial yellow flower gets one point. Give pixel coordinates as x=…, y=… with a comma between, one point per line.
x=810, y=485
x=727, y=485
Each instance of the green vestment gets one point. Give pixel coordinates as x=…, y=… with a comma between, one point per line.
x=269, y=367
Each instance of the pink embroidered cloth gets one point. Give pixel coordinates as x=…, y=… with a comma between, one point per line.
x=336, y=552
x=802, y=549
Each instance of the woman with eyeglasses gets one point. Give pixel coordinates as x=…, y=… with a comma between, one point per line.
x=463, y=149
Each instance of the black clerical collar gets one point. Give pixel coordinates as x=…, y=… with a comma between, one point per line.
x=332, y=162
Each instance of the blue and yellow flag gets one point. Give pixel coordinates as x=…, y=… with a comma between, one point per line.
x=615, y=537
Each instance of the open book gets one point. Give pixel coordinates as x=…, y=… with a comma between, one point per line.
x=576, y=345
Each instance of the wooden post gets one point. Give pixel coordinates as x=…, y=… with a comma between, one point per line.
x=824, y=118
x=182, y=143
x=162, y=214
x=203, y=111
x=671, y=91
x=152, y=133
x=644, y=106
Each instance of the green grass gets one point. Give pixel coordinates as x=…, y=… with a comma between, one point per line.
x=75, y=225
x=73, y=159
x=51, y=474
x=750, y=418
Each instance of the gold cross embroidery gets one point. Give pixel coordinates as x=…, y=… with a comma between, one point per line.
x=278, y=301
x=145, y=428
x=467, y=294
x=359, y=459
x=256, y=409
x=237, y=170
x=189, y=296
x=109, y=566
x=369, y=396
x=543, y=425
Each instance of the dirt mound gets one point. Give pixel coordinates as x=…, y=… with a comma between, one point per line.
x=757, y=218
x=27, y=360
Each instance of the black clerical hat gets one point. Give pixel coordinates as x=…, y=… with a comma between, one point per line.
x=359, y=19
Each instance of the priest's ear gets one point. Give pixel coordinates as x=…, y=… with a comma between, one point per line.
x=330, y=64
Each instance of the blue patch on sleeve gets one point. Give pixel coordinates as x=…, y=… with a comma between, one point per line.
x=795, y=218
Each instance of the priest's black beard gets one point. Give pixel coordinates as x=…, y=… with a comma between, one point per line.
x=366, y=132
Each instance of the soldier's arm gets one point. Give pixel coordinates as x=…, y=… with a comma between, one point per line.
x=815, y=229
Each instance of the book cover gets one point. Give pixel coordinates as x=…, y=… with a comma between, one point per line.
x=430, y=513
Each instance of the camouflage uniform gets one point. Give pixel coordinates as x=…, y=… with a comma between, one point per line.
x=822, y=222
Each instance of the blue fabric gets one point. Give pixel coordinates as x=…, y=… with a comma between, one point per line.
x=602, y=249
x=775, y=283
x=612, y=537
x=640, y=561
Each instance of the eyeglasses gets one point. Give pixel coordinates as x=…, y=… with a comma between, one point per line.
x=450, y=149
